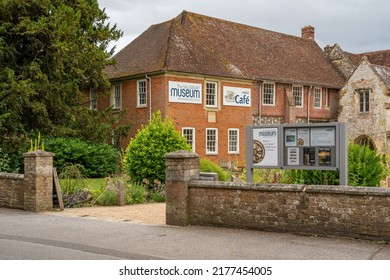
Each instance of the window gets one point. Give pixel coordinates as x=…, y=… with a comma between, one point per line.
x=317, y=98
x=141, y=93
x=233, y=140
x=211, y=141
x=93, y=95
x=364, y=100
x=268, y=94
x=116, y=96
x=211, y=94
x=298, y=96
x=189, y=134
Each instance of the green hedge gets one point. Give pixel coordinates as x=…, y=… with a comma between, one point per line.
x=98, y=160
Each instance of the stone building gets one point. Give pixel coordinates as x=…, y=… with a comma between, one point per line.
x=214, y=77
x=365, y=97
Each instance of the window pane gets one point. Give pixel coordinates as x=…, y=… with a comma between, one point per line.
x=298, y=96
x=117, y=96
x=317, y=98
x=211, y=141
x=211, y=94
x=141, y=93
x=233, y=140
x=189, y=133
x=268, y=94
x=93, y=99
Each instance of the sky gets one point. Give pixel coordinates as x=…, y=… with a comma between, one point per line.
x=356, y=25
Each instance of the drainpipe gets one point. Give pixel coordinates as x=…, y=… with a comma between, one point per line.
x=308, y=103
x=150, y=97
x=260, y=100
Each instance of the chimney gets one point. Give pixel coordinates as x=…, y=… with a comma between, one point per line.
x=308, y=32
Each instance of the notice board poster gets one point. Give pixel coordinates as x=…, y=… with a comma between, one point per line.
x=323, y=136
x=265, y=146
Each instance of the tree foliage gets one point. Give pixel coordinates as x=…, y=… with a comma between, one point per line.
x=49, y=51
x=144, y=157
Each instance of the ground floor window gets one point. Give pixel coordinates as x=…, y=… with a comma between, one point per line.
x=189, y=134
x=233, y=140
x=211, y=141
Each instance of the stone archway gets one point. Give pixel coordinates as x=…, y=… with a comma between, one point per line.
x=365, y=140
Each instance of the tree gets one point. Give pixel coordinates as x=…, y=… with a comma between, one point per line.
x=144, y=157
x=49, y=51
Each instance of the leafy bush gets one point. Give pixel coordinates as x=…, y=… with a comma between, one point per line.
x=311, y=177
x=209, y=166
x=5, y=163
x=135, y=193
x=365, y=166
x=98, y=160
x=144, y=157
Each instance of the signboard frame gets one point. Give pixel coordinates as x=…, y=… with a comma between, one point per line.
x=319, y=146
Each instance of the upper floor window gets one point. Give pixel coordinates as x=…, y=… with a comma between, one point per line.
x=317, y=98
x=141, y=93
x=189, y=134
x=212, y=94
x=269, y=94
x=116, y=96
x=233, y=140
x=298, y=96
x=364, y=100
x=93, y=95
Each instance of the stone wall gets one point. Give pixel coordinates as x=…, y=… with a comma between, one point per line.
x=355, y=212
x=33, y=190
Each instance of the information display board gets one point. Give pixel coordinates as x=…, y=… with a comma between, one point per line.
x=298, y=146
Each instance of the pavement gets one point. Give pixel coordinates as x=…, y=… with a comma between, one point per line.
x=113, y=233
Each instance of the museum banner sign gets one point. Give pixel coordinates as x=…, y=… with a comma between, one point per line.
x=185, y=92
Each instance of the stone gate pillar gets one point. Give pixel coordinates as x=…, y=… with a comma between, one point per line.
x=181, y=167
x=38, y=177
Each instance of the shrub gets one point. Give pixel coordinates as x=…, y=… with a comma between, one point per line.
x=5, y=163
x=72, y=175
x=98, y=160
x=365, y=166
x=209, y=166
x=144, y=157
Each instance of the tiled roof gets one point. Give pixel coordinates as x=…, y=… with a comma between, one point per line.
x=384, y=73
x=378, y=57
x=194, y=43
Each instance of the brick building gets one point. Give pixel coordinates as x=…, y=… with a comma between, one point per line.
x=365, y=97
x=214, y=77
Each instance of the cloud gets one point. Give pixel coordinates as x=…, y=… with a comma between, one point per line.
x=357, y=26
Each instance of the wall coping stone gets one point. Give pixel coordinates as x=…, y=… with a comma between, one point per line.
x=14, y=176
x=245, y=186
x=38, y=153
x=293, y=188
x=181, y=154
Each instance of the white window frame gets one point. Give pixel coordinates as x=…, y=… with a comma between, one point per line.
x=237, y=140
x=145, y=93
x=215, y=151
x=113, y=98
x=301, y=97
x=208, y=94
x=269, y=93
x=93, y=99
x=365, y=93
x=317, y=102
x=192, y=129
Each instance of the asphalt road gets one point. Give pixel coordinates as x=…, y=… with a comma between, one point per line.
x=30, y=236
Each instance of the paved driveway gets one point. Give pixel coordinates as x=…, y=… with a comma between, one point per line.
x=25, y=235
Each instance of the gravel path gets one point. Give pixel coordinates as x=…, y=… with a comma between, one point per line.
x=149, y=213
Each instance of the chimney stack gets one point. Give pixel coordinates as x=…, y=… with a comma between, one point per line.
x=308, y=32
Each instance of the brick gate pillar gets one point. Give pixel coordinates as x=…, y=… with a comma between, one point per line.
x=38, y=177
x=181, y=167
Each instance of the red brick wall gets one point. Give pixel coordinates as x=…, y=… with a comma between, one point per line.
x=196, y=115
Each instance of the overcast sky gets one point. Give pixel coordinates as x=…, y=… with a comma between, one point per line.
x=356, y=25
